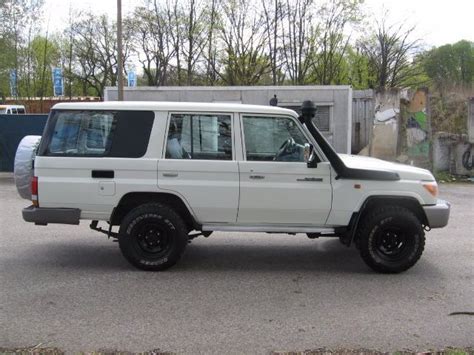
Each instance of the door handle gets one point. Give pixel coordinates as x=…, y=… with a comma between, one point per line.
x=170, y=174
x=103, y=174
x=311, y=179
x=257, y=177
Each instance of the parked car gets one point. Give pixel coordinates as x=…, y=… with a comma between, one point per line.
x=12, y=110
x=164, y=173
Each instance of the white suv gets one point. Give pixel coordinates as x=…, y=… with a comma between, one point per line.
x=167, y=172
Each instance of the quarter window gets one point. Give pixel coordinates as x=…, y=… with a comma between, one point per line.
x=273, y=139
x=197, y=136
x=82, y=133
x=85, y=133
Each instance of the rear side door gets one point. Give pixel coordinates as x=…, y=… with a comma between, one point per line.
x=199, y=165
x=277, y=187
x=89, y=158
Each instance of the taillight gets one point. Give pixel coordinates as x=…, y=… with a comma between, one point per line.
x=34, y=191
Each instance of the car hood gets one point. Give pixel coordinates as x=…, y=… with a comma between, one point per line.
x=407, y=172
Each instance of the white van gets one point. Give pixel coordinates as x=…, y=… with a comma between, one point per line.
x=12, y=110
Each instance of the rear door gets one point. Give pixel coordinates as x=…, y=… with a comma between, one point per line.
x=277, y=187
x=89, y=158
x=199, y=164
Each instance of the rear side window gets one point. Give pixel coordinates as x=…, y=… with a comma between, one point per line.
x=199, y=136
x=97, y=133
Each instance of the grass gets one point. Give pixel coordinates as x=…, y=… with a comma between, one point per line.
x=444, y=177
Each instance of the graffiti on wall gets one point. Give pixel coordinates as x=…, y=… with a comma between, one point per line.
x=417, y=130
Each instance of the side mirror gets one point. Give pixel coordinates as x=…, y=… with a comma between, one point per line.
x=310, y=156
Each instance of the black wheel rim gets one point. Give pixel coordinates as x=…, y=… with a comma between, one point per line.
x=153, y=239
x=393, y=243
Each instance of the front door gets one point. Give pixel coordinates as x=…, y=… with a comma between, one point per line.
x=199, y=165
x=276, y=186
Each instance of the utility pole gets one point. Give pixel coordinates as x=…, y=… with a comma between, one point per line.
x=119, y=49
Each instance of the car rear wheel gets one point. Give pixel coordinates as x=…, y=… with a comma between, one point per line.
x=391, y=239
x=153, y=237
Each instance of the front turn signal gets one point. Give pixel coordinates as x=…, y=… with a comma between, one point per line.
x=432, y=188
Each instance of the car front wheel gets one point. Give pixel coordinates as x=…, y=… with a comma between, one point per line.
x=391, y=239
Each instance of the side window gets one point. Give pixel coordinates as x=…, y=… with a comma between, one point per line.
x=206, y=136
x=82, y=133
x=97, y=133
x=273, y=139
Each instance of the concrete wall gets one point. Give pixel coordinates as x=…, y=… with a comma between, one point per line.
x=416, y=136
x=384, y=140
x=453, y=153
x=338, y=98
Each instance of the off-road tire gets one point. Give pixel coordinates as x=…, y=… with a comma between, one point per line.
x=152, y=237
x=385, y=228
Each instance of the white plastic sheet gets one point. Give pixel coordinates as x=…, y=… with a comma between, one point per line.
x=23, y=168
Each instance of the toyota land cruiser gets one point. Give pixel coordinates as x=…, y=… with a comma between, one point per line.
x=165, y=172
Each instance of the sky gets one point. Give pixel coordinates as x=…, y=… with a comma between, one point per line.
x=437, y=22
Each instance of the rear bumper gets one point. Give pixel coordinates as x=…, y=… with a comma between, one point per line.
x=43, y=216
x=438, y=215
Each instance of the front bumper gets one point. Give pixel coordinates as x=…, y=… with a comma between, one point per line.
x=438, y=215
x=43, y=216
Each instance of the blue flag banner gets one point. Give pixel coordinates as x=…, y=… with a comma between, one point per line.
x=58, y=84
x=13, y=83
x=132, y=78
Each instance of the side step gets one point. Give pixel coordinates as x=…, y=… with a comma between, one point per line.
x=268, y=228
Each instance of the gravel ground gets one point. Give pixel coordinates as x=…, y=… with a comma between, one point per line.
x=69, y=287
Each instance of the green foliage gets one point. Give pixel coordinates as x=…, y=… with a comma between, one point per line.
x=36, y=80
x=448, y=113
x=451, y=65
x=357, y=68
x=244, y=69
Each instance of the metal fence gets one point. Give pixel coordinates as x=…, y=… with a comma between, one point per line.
x=12, y=129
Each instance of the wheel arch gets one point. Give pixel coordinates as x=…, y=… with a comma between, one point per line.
x=134, y=199
x=373, y=202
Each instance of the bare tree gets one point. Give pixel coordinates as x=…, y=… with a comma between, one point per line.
x=390, y=51
x=299, y=40
x=243, y=36
x=273, y=12
x=332, y=41
x=95, y=52
x=211, y=53
x=195, y=36
x=151, y=41
x=174, y=16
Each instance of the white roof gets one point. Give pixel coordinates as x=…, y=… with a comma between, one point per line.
x=172, y=106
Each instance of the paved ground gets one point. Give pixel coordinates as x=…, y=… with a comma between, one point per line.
x=69, y=287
